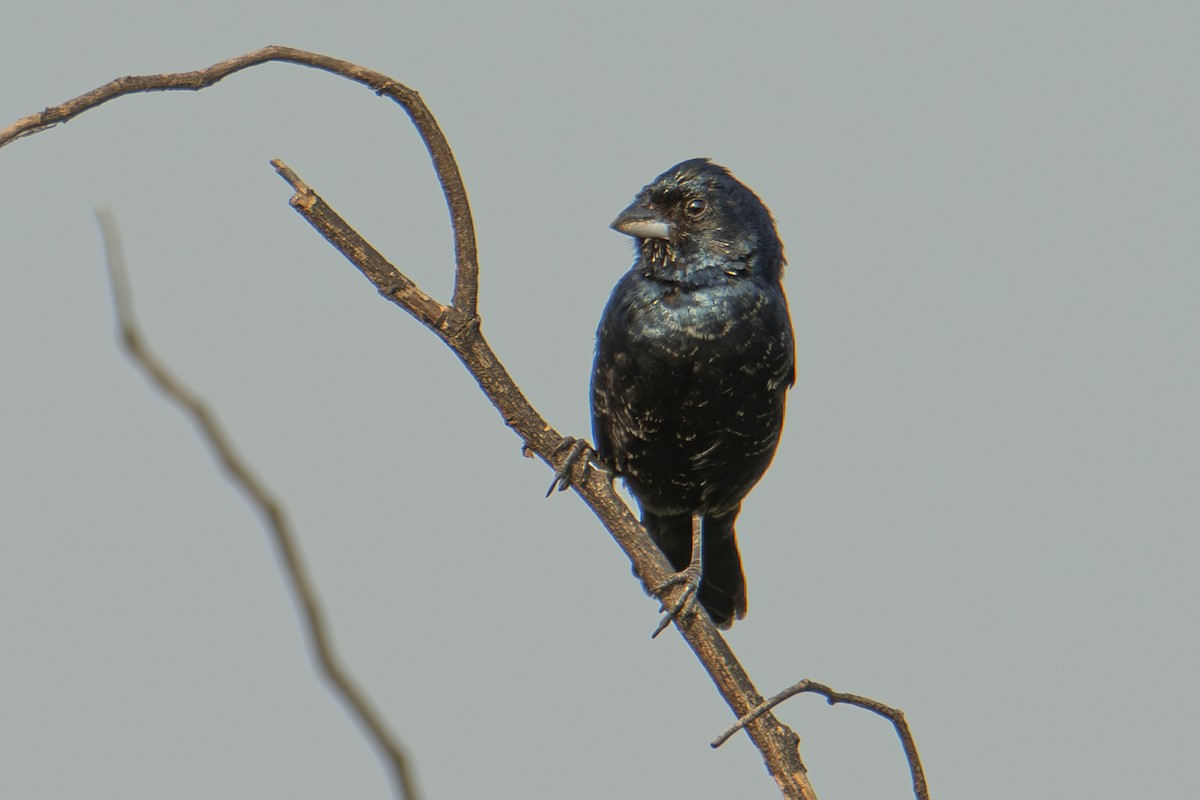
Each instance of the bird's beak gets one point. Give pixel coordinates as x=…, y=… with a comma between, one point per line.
x=640, y=222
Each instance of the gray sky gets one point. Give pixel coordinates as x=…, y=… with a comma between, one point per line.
x=983, y=509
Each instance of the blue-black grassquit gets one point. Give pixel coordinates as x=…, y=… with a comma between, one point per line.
x=694, y=357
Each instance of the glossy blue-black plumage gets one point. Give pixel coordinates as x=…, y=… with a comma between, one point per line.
x=694, y=358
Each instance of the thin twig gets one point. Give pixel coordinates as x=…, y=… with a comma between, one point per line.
x=466, y=272
x=295, y=572
x=812, y=687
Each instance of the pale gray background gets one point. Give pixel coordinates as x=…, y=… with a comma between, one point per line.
x=983, y=510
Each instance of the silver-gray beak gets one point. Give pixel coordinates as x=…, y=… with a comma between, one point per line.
x=641, y=222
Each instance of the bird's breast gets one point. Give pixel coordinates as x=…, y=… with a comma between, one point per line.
x=675, y=316
x=688, y=388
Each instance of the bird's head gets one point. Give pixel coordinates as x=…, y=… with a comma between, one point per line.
x=697, y=224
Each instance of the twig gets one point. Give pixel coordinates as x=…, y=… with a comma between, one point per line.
x=466, y=273
x=295, y=572
x=894, y=714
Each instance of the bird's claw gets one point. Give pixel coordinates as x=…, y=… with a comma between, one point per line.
x=685, y=606
x=576, y=449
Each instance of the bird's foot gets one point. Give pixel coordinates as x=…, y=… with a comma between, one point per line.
x=576, y=449
x=685, y=605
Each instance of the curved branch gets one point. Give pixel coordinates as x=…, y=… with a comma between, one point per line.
x=920, y=790
x=466, y=273
x=301, y=585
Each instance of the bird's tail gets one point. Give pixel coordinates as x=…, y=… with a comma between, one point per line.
x=722, y=585
x=723, y=588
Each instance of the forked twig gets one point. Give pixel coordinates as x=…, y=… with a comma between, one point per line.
x=295, y=572
x=833, y=698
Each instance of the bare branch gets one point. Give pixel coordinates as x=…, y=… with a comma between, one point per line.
x=920, y=790
x=392, y=284
x=466, y=273
x=301, y=585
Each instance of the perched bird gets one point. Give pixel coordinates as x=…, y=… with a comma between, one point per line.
x=694, y=357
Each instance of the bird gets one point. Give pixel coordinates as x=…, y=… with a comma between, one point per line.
x=694, y=358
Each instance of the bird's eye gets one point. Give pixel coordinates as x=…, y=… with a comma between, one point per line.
x=696, y=206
